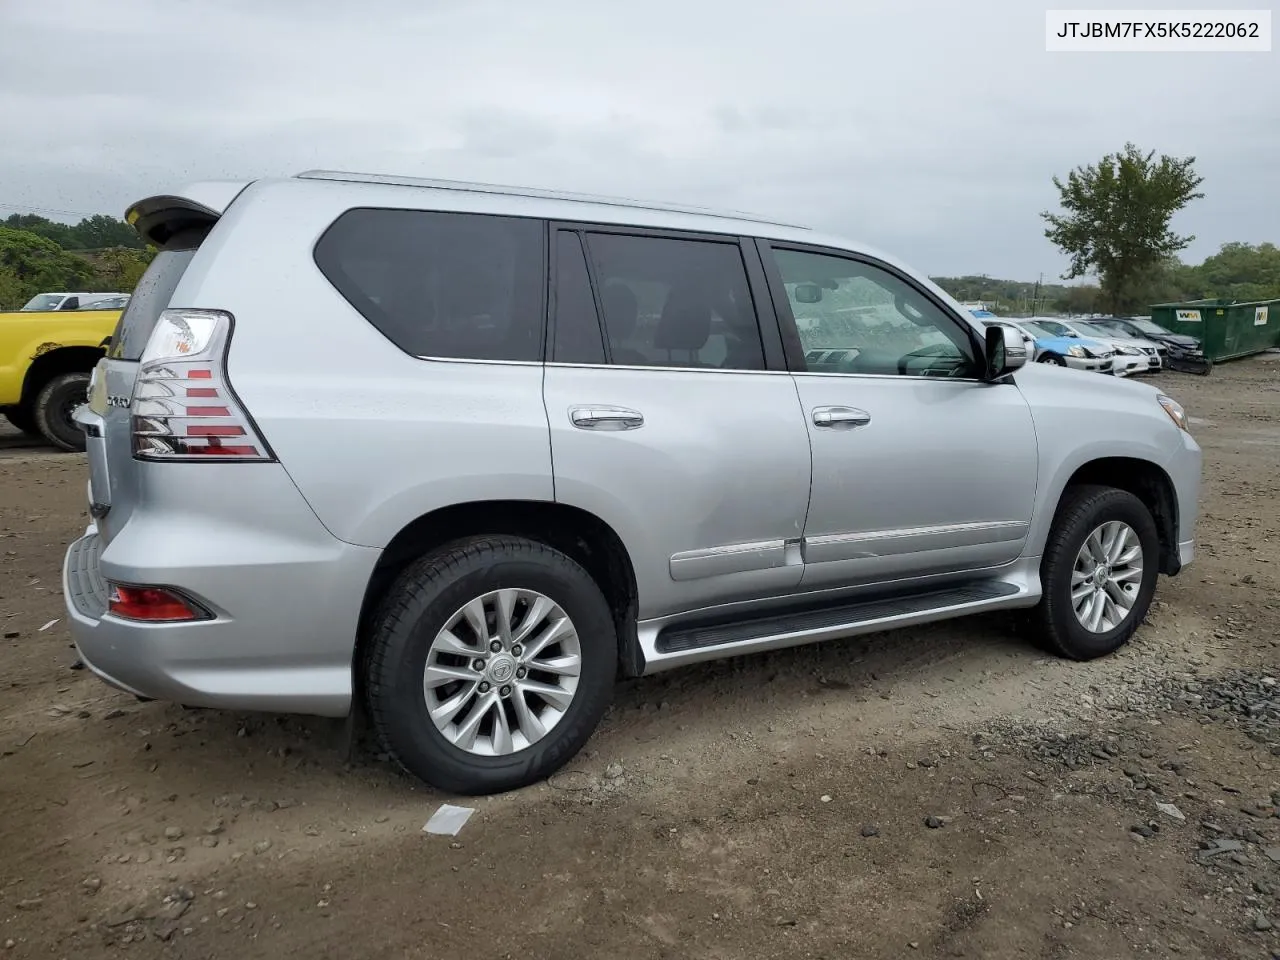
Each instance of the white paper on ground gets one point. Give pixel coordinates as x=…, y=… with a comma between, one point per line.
x=448, y=820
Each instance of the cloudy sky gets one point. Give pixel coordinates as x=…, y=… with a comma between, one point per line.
x=929, y=129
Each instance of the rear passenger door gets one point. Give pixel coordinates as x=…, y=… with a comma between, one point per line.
x=672, y=417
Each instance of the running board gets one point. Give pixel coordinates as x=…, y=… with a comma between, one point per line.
x=679, y=643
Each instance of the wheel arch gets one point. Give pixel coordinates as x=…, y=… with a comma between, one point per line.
x=579, y=534
x=1147, y=481
x=52, y=363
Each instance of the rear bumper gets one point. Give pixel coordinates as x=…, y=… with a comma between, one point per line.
x=284, y=626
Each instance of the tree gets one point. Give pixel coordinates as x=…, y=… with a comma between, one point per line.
x=1239, y=271
x=1116, y=223
x=92, y=233
x=120, y=268
x=59, y=233
x=1078, y=300
x=33, y=264
x=100, y=231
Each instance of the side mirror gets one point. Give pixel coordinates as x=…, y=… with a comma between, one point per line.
x=1006, y=351
x=808, y=293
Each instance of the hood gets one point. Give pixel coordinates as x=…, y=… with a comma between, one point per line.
x=1120, y=392
x=1180, y=339
x=1062, y=344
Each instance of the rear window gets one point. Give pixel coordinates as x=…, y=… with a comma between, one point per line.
x=152, y=296
x=450, y=285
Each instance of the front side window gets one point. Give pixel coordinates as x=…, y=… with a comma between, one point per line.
x=675, y=303
x=856, y=317
x=450, y=285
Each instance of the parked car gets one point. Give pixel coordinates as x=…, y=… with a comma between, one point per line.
x=107, y=303
x=580, y=438
x=1155, y=353
x=49, y=302
x=1076, y=352
x=1128, y=358
x=46, y=358
x=1184, y=353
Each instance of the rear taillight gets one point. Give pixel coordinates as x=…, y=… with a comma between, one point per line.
x=151, y=604
x=183, y=406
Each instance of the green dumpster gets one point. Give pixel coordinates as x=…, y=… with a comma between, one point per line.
x=1226, y=329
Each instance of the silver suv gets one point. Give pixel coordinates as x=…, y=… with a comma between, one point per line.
x=464, y=455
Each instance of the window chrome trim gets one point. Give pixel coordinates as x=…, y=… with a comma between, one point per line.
x=498, y=363
x=633, y=366
x=896, y=377
x=711, y=370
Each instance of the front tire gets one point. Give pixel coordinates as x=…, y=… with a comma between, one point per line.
x=1054, y=359
x=54, y=405
x=1098, y=573
x=490, y=663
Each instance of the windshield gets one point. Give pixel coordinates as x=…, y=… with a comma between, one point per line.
x=1056, y=329
x=1147, y=326
x=44, y=301
x=1104, y=328
x=1037, y=329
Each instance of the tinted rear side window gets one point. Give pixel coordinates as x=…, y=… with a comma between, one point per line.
x=676, y=303
x=450, y=285
x=152, y=296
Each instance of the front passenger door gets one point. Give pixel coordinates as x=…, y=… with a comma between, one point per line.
x=919, y=467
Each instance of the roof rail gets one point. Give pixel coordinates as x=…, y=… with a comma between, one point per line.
x=464, y=186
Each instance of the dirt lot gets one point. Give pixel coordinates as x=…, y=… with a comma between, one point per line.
x=770, y=807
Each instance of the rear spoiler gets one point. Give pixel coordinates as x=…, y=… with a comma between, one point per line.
x=160, y=218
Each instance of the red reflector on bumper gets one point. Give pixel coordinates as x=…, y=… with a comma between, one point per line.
x=150, y=604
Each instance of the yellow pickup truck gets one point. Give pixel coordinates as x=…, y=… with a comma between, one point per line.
x=46, y=358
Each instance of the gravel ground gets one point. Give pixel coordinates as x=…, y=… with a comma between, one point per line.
x=938, y=792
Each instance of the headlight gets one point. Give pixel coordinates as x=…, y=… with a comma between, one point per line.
x=1174, y=409
x=1129, y=351
x=1077, y=352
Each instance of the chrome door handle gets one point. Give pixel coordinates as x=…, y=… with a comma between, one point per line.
x=840, y=418
x=605, y=418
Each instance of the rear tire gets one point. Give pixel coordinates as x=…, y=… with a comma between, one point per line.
x=1076, y=591
x=411, y=655
x=55, y=403
x=21, y=418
